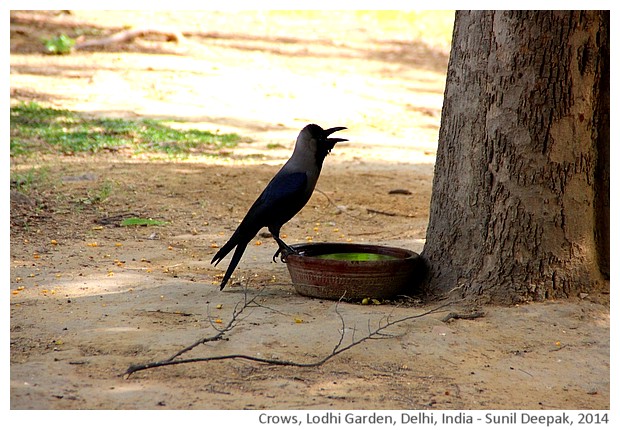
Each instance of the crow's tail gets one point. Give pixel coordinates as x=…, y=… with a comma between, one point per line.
x=233, y=263
x=240, y=239
x=224, y=250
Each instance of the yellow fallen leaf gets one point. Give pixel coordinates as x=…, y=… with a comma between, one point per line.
x=92, y=244
x=298, y=320
x=218, y=321
x=53, y=242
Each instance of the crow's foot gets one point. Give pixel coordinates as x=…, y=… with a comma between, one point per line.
x=283, y=252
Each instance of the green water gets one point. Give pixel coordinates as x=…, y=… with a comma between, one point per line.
x=356, y=256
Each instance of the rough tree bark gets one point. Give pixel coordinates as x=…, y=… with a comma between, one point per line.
x=520, y=202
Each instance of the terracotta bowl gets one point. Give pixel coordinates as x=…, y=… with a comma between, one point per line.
x=352, y=271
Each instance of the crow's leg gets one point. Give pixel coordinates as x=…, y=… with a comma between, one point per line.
x=283, y=249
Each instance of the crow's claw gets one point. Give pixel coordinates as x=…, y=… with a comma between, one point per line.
x=276, y=255
x=284, y=252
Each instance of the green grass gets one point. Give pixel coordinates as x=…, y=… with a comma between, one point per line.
x=59, y=45
x=97, y=196
x=35, y=128
x=27, y=180
x=128, y=222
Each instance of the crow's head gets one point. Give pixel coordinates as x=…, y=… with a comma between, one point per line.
x=318, y=139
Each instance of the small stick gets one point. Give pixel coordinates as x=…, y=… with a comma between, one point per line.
x=463, y=316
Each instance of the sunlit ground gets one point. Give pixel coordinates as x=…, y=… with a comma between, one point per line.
x=261, y=74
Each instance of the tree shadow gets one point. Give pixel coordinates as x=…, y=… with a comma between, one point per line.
x=414, y=53
x=28, y=29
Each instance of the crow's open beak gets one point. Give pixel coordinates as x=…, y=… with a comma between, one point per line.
x=334, y=140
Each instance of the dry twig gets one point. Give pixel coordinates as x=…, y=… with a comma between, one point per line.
x=463, y=316
x=377, y=333
x=129, y=35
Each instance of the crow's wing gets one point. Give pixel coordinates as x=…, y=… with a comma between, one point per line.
x=283, y=197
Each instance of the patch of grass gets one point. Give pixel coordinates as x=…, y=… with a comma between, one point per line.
x=127, y=222
x=25, y=181
x=98, y=195
x=104, y=191
x=35, y=128
x=59, y=45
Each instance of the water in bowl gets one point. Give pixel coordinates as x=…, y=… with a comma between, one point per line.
x=356, y=256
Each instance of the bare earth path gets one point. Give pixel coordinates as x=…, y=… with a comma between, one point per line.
x=88, y=300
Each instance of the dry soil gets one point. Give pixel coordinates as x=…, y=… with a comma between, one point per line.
x=88, y=298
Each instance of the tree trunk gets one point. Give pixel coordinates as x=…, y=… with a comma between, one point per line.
x=520, y=203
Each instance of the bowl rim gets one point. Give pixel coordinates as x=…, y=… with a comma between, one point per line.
x=401, y=254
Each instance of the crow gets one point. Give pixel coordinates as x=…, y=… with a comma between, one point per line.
x=285, y=195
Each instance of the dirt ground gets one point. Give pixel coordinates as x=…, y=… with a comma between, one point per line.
x=89, y=299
